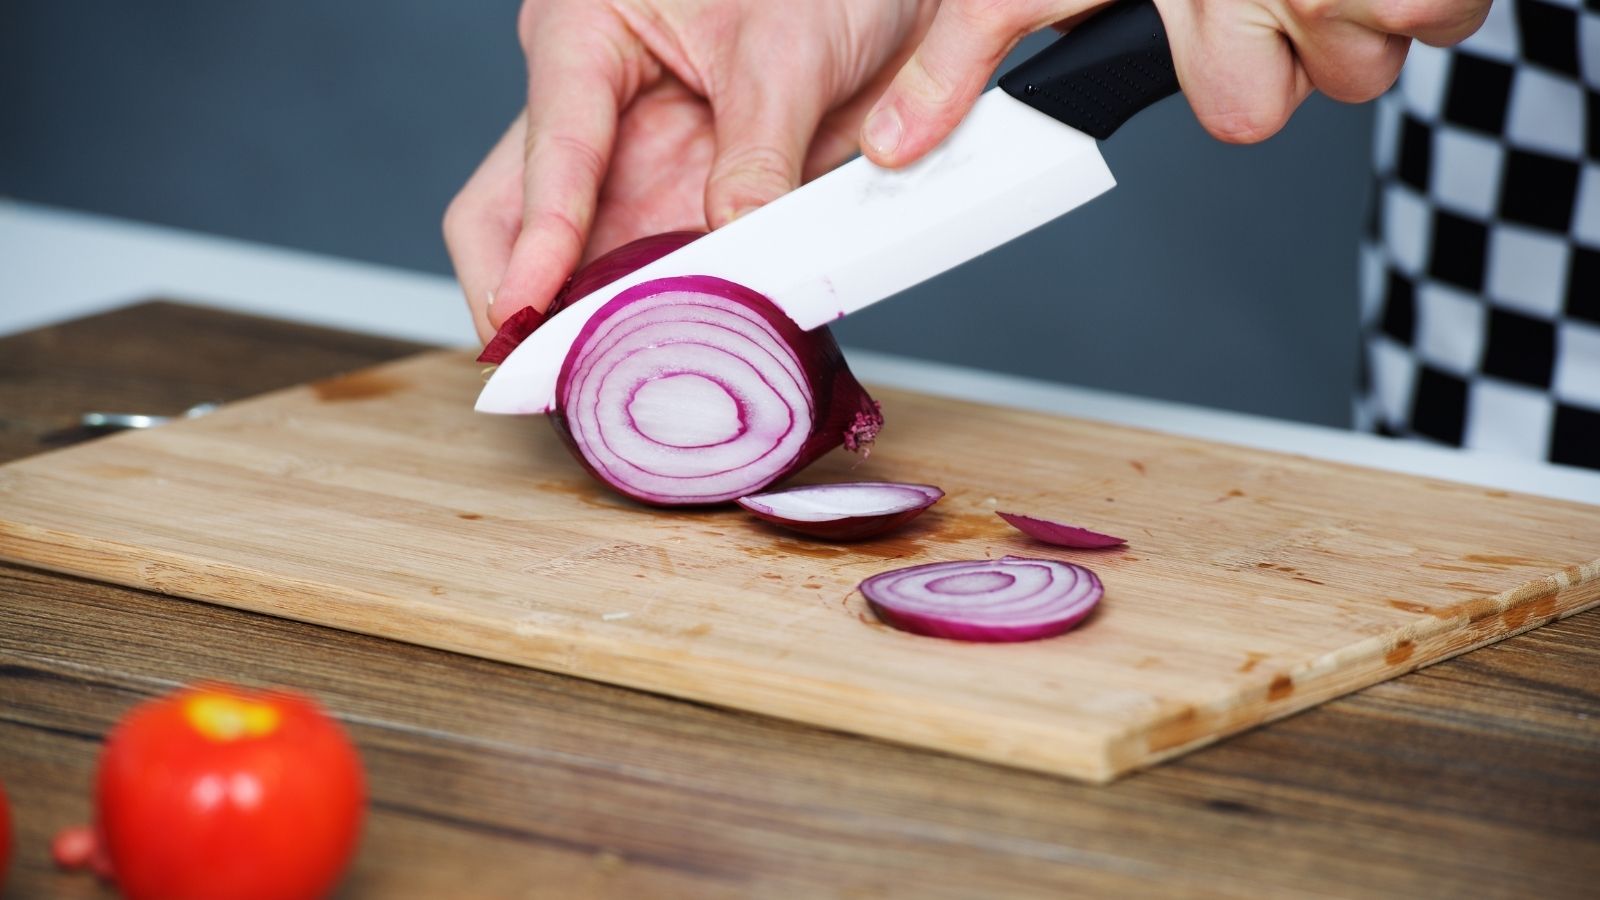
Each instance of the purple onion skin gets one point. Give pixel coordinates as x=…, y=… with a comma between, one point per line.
x=624, y=260
x=1059, y=534
x=606, y=268
x=844, y=413
x=852, y=528
x=944, y=627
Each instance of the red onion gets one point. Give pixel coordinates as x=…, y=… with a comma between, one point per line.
x=989, y=600
x=843, y=512
x=693, y=390
x=1059, y=534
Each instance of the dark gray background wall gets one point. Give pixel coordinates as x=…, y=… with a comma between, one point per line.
x=1213, y=274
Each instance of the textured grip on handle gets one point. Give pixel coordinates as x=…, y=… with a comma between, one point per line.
x=1102, y=72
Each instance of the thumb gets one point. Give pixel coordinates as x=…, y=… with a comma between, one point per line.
x=938, y=85
x=762, y=139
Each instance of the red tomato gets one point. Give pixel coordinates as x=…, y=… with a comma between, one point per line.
x=215, y=791
x=5, y=835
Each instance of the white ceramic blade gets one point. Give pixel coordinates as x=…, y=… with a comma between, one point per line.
x=857, y=234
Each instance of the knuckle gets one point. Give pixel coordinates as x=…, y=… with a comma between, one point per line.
x=456, y=213
x=936, y=82
x=1314, y=10
x=557, y=223
x=1364, y=71
x=1369, y=87
x=576, y=158
x=986, y=11
x=1410, y=16
x=1007, y=17
x=753, y=175
x=528, y=21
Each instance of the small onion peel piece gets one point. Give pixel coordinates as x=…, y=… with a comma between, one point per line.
x=1060, y=534
x=849, y=511
x=989, y=600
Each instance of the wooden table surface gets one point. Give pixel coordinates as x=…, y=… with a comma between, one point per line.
x=1477, y=777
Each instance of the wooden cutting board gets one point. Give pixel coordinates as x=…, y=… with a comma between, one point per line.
x=1255, y=584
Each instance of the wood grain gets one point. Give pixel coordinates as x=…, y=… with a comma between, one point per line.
x=1257, y=584
x=1475, y=777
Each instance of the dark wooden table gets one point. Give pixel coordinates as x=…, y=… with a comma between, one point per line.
x=1479, y=777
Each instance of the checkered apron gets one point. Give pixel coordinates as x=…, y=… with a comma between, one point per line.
x=1480, y=283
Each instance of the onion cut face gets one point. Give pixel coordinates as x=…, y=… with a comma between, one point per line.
x=991, y=600
x=1060, y=534
x=849, y=511
x=693, y=390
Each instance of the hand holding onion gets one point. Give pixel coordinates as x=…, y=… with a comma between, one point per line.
x=647, y=116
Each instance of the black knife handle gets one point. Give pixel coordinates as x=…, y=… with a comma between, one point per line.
x=1100, y=73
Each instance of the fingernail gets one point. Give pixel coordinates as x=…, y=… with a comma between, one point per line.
x=883, y=130
x=738, y=213
x=490, y=296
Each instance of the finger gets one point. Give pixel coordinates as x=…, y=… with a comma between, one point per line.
x=482, y=222
x=1437, y=22
x=1349, y=62
x=576, y=88
x=763, y=130
x=1236, y=68
x=938, y=85
x=838, y=136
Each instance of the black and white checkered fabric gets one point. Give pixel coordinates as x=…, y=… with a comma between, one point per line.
x=1481, y=284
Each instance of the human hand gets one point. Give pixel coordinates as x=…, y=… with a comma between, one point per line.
x=647, y=116
x=1244, y=65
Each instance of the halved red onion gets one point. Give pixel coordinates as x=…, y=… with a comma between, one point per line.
x=848, y=511
x=988, y=600
x=1060, y=534
x=695, y=390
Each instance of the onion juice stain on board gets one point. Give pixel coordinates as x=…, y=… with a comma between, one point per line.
x=363, y=385
x=1410, y=607
x=1281, y=687
x=1490, y=559
x=1523, y=613
x=1400, y=652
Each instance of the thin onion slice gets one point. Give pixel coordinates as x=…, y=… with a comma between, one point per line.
x=1060, y=534
x=849, y=511
x=988, y=600
x=514, y=331
x=694, y=390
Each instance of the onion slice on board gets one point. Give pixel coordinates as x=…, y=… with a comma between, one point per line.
x=1059, y=534
x=988, y=600
x=848, y=511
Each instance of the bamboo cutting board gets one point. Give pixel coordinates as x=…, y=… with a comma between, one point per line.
x=1255, y=584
